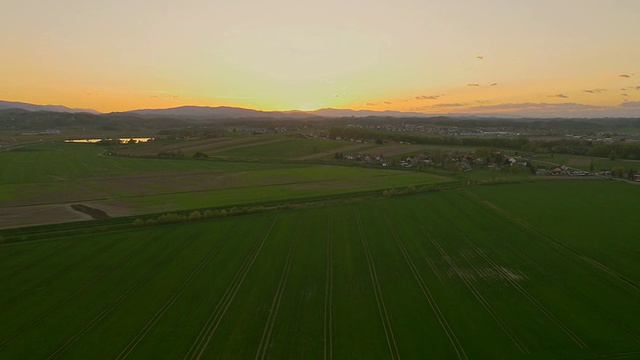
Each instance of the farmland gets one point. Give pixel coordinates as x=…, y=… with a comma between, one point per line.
x=508, y=271
x=39, y=182
x=344, y=259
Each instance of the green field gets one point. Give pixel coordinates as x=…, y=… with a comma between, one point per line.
x=39, y=182
x=533, y=270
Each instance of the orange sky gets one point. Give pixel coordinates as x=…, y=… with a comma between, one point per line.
x=427, y=56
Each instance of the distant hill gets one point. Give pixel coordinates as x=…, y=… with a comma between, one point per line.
x=234, y=112
x=629, y=109
x=52, y=108
x=329, y=112
x=215, y=112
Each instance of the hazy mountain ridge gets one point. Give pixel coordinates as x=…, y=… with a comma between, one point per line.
x=226, y=112
x=214, y=112
x=525, y=110
x=52, y=108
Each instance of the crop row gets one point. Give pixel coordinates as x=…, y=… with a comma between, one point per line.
x=447, y=275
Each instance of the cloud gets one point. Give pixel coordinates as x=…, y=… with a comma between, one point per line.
x=624, y=94
x=162, y=94
x=428, y=97
x=561, y=96
x=594, y=91
x=494, y=84
x=540, y=109
x=635, y=87
x=480, y=57
x=448, y=105
x=624, y=76
x=234, y=97
x=370, y=104
x=633, y=105
x=473, y=85
x=388, y=102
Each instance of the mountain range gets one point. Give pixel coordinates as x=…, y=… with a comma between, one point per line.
x=522, y=110
x=216, y=112
x=5, y=105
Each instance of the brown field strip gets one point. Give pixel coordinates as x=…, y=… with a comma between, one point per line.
x=244, y=145
x=344, y=149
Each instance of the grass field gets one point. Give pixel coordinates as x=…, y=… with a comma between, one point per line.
x=39, y=182
x=535, y=271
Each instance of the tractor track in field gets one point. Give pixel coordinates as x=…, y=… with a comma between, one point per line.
x=211, y=325
x=275, y=304
x=382, y=309
x=142, y=333
x=53, y=254
x=56, y=275
x=630, y=282
x=486, y=304
x=527, y=295
x=618, y=355
x=453, y=339
x=328, y=295
x=555, y=279
x=105, y=312
x=580, y=255
x=67, y=300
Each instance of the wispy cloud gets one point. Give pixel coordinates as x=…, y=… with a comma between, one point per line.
x=494, y=84
x=624, y=76
x=445, y=105
x=371, y=104
x=624, y=94
x=428, y=97
x=473, y=85
x=560, y=96
x=234, y=97
x=533, y=108
x=594, y=91
x=479, y=57
x=388, y=102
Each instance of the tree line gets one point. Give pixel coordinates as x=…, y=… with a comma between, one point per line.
x=619, y=150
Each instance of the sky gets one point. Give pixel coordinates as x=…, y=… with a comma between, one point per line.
x=430, y=56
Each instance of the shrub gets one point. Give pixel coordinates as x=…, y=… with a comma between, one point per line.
x=195, y=215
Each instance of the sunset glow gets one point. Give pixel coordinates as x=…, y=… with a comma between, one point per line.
x=435, y=57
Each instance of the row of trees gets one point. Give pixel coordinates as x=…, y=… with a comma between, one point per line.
x=621, y=150
x=207, y=214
